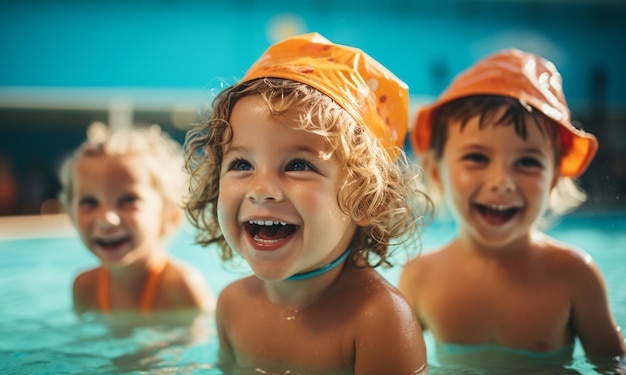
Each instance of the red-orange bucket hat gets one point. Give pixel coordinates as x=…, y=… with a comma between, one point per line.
x=523, y=76
x=370, y=93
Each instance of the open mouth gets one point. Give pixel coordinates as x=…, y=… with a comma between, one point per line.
x=268, y=231
x=113, y=243
x=497, y=214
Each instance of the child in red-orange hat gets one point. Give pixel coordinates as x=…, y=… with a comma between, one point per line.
x=299, y=170
x=498, y=145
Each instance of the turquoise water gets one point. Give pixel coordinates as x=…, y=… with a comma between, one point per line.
x=39, y=333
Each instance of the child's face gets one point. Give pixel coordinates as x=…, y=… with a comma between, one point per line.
x=116, y=208
x=277, y=204
x=496, y=183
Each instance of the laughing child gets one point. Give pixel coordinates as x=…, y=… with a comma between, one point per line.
x=123, y=190
x=299, y=171
x=499, y=147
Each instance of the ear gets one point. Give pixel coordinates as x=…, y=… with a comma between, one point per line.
x=362, y=222
x=432, y=170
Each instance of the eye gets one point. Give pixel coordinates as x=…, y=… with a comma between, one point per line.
x=128, y=199
x=88, y=202
x=239, y=165
x=297, y=165
x=529, y=162
x=476, y=157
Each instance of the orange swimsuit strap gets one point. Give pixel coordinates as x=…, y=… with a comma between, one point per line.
x=149, y=291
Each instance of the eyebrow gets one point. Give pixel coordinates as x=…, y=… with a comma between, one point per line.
x=479, y=147
x=534, y=150
x=295, y=149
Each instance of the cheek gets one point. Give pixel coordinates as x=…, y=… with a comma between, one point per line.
x=456, y=180
x=80, y=220
x=151, y=211
x=226, y=205
x=222, y=211
x=324, y=205
x=541, y=187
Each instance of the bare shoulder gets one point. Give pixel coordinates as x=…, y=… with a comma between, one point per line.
x=420, y=262
x=425, y=266
x=236, y=299
x=84, y=290
x=87, y=278
x=379, y=300
x=385, y=323
x=186, y=285
x=239, y=292
x=564, y=256
x=569, y=262
x=184, y=273
x=86, y=282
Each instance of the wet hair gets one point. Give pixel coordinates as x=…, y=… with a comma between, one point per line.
x=505, y=111
x=163, y=158
x=382, y=191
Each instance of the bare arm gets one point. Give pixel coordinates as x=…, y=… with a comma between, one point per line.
x=226, y=358
x=201, y=295
x=84, y=292
x=408, y=286
x=389, y=339
x=592, y=319
x=191, y=291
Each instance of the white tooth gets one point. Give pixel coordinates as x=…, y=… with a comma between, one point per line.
x=266, y=222
x=498, y=207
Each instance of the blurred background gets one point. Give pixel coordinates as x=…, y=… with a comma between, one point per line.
x=68, y=63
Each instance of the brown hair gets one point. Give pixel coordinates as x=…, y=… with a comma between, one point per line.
x=494, y=110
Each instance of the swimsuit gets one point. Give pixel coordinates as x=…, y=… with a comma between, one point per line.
x=147, y=297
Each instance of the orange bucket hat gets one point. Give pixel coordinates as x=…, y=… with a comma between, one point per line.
x=370, y=93
x=523, y=76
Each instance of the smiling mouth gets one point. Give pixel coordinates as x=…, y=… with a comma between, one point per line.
x=497, y=214
x=109, y=244
x=268, y=231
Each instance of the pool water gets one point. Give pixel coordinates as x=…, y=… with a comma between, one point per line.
x=39, y=334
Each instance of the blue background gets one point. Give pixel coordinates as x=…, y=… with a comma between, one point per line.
x=64, y=63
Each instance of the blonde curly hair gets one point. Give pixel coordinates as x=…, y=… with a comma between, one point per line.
x=384, y=192
x=163, y=155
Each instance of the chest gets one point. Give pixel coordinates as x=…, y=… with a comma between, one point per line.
x=497, y=306
x=321, y=339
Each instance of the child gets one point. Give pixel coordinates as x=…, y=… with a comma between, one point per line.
x=294, y=171
x=499, y=146
x=123, y=190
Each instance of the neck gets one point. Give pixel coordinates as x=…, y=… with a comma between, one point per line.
x=136, y=271
x=292, y=295
x=321, y=270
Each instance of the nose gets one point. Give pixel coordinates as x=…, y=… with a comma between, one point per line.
x=265, y=187
x=500, y=180
x=108, y=218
